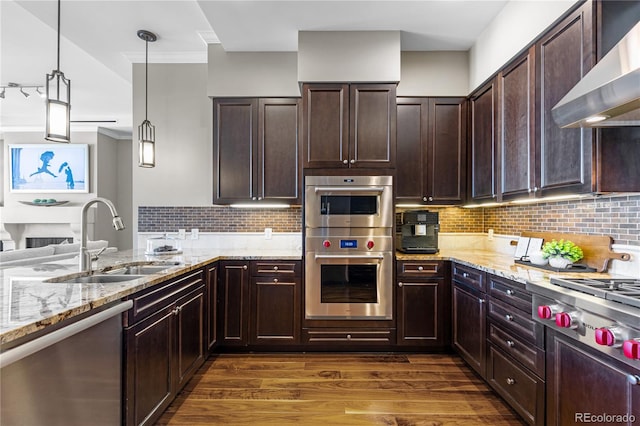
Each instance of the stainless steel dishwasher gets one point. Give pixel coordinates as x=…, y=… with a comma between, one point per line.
x=71, y=376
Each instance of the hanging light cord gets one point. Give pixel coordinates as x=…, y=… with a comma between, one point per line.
x=146, y=79
x=58, y=69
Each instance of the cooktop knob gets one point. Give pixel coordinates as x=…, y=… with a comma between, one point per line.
x=607, y=336
x=566, y=320
x=631, y=348
x=326, y=243
x=547, y=311
x=370, y=244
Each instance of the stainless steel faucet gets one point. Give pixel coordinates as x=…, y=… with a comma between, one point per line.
x=85, y=255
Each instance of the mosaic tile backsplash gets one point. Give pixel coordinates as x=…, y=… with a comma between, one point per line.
x=617, y=216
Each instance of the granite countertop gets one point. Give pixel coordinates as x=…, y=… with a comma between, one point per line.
x=29, y=304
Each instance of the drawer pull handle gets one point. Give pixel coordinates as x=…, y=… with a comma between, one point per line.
x=481, y=301
x=420, y=268
x=510, y=292
x=399, y=284
x=275, y=268
x=275, y=280
x=465, y=275
x=244, y=267
x=511, y=343
x=509, y=317
x=634, y=379
x=510, y=381
x=348, y=337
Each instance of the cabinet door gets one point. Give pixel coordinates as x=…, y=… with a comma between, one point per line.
x=469, y=327
x=234, y=148
x=234, y=309
x=149, y=347
x=446, y=151
x=483, y=124
x=411, y=149
x=421, y=313
x=516, y=140
x=211, y=306
x=189, y=357
x=565, y=55
x=325, y=125
x=576, y=379
x=278, y=165
x=372, y=121
x=275, y=308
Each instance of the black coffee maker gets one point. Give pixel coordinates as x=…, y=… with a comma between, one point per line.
x=417, y=231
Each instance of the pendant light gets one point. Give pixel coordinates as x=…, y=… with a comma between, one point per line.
x=58, y=93
x=146, y=131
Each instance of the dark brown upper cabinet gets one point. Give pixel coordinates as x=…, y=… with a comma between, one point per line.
x=256, y=150
x=565, y=54
x=349, y=125
x=431, y=150
x=482, y=147
x=516, y=131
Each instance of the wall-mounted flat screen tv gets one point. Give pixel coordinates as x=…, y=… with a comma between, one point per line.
x=49, y=168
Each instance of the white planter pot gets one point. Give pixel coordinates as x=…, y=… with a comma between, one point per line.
x=559, y=262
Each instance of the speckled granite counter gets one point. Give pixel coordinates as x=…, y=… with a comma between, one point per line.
x=28, y=303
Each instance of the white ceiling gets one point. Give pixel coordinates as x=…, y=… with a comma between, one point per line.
x=99, y=40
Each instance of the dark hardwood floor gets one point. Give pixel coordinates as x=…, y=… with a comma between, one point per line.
x=337, y=389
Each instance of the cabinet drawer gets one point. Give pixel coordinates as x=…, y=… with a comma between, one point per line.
x=372, y=337
x=524, y=392
x=157, y=297
x=408, y=269
x=529, y=356
x=277, y=268
x=469, y=276
x=511, y=292
x=516, y=321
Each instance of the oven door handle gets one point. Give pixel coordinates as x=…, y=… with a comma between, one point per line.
x=349, y=256
x=351, y=189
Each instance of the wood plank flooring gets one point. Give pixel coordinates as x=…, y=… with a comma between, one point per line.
x=337, y=389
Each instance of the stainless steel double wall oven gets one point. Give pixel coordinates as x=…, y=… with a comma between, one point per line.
x=349, y=222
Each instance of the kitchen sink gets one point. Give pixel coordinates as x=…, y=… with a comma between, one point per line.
x=138, y=270
x=99, y=279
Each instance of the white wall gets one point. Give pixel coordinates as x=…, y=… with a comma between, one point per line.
x=181, y=112
x=517, y=25
x=358, y=56
x=252, y=74
x=434, y=74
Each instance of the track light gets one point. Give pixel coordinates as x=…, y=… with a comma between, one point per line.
x=21, y=88
x=42, y=95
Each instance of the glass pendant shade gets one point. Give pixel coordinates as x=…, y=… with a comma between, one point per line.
x=58, y=95
x=146, y=144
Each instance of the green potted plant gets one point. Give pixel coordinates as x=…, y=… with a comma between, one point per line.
x=561, y=253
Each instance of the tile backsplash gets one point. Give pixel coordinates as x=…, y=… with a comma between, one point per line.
x=617, y=216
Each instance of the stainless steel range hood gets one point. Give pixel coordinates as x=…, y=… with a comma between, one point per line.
x=609, y=95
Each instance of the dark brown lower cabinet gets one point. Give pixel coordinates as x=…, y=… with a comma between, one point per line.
x=469, y=326
x=422, y=295
x=276, y=299
x=582, y=382
x=211, y=306
x=164, y=345
x=234, y=303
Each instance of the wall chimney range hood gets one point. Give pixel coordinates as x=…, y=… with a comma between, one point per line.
x=609, y=94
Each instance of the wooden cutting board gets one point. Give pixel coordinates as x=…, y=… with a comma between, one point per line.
x=596, y=248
